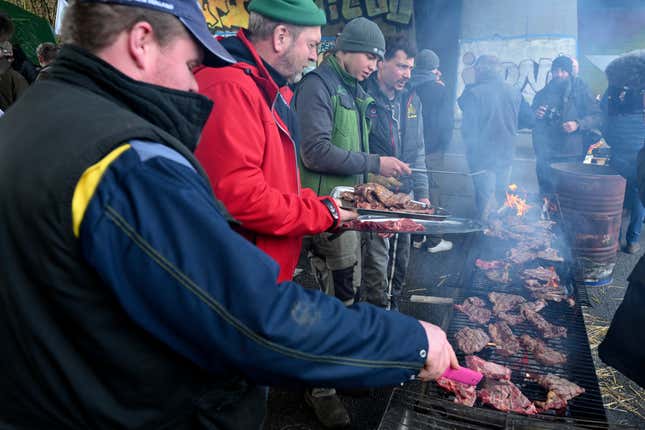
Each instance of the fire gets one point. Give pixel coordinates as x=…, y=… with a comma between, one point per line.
x=512, y=187
x=553, y=282
x=513, y=201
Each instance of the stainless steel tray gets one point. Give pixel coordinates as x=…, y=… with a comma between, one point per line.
x=440, y=213
x=432, y=227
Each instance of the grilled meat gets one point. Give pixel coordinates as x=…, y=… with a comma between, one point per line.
x=476, y=310
x=506, y=341
x=548, y=330
x=375, y=196
x=543, y=274
x=471, y=340
x=504, y=302
x=464, y=394
x=535, y=306
x=511, y=318
x=542, y=352
x=521, y=255
x=542, y=291
x=501, y=275
x=488, y=368
x=505, y=396
x=550, y=254
x=560, y=391
x=404, y=225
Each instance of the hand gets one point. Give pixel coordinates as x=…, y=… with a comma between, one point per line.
x=539, y=113
x=440, y=354
x=392, y=166
x=426, y=201
x=344, y=214
x=570, y=126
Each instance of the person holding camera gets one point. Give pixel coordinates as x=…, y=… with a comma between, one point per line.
x=566, y=113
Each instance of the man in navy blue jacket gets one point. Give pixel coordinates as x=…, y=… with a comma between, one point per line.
x=129, y=302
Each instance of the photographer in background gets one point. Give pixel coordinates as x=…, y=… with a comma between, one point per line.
x=566, y=112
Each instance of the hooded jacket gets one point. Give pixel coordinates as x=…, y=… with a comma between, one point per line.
x=249, y=149
x=129, y=301
x=396, y=130
x=438, y=121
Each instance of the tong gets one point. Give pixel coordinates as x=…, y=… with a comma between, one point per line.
x=447, y=172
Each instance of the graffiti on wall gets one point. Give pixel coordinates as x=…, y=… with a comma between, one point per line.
x=393, y=11
x=526, y=62
x=225, y=15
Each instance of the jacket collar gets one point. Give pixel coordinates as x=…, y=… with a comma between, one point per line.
x=373, y=88
x=181, y=114
x=420, y=77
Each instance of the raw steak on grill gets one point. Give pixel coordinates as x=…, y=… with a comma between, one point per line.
x=548, y=330
x=504, y=302
x=464, y=394
x=511, y=318
x=403, y=225
x=502, y=335
x=560, y=391
x=550, y=254
x=471, y=340
x=543, y=354
x=542, y=274
x=475, y=308
x=505, y=396
x=488, y=368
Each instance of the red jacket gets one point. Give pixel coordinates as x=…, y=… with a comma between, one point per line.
x=249, y=155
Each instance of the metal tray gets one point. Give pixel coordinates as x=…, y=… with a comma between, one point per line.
x=440, y=213
x=432, y=227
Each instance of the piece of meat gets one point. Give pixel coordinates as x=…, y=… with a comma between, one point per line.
x=507, y=343
x=504, y=302
x=500, y=276
x=488, y=368
x=541, y=274
x=403, y=225
x=464, y=394
x=471, y=340
x=550, y=254
x=544, y=291
x=475, y=308
x=535, y=306
x=505, y=396
x=488, y=264
x=376, y=196
x=511, y=318
x=521, y=255
x=548, y=330
x=543, y=354
x=560, y=391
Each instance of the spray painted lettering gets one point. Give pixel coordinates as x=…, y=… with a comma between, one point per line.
x=225, y=15
x=393, y=11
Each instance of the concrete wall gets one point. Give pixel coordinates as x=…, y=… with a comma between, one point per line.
x=526, y=36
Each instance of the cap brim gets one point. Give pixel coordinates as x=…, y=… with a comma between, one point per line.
x=214, y=54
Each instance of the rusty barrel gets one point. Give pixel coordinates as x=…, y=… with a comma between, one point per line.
x=591, y=204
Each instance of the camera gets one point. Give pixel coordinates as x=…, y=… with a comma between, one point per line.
x=552, y=115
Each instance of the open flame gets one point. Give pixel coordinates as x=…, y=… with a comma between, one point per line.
x=514, y=201
x=553, y=282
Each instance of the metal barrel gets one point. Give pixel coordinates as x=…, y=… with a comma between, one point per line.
x=591, y=204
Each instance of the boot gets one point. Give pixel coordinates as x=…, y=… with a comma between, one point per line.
x=328, y=408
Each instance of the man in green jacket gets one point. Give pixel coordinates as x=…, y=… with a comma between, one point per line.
x=331, y=107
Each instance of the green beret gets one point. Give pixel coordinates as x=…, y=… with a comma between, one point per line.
x=304, y=13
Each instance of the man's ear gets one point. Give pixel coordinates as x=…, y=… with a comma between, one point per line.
x=142, y=44
x=281, y=38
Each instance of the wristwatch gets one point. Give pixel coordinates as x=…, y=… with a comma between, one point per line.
x=333, y=211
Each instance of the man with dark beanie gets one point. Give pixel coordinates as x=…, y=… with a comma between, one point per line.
x=248, y=146
x=331, y=107
x=565, y=112
x=129, y=302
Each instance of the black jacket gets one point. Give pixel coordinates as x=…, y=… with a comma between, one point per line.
x=438, y=116
x=568, y=101
x=489, y=124
x=396, y=129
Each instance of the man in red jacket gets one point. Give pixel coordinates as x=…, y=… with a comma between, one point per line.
x=249, y=145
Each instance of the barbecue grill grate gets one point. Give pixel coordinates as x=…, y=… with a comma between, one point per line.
x=409, y=409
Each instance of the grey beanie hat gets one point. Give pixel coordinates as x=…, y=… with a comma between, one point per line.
x=361, y=35
x=426, y=60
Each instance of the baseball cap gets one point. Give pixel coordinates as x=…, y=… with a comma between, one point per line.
x=189, y=13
